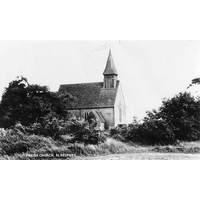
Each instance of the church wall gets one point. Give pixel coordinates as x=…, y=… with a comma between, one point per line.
x=120, y=108
x=107, y=114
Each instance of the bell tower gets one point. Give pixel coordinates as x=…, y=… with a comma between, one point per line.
x=110, y=73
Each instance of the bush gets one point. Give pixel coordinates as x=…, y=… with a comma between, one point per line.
x=153, y=132
x=47, y=135
x=177, y=119
x=18, y=143
x=48, y=127
x=70, y=131
x=82, y=132
x=119, y=132
x=15, y=141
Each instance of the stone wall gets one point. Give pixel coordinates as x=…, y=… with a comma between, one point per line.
x=107, y=114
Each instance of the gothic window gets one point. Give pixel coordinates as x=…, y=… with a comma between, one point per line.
x=120, y=114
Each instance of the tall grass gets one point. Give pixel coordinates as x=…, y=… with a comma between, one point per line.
x=182, y=147
x=50, y=147
x=16, y=145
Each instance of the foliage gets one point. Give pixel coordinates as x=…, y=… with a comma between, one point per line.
x=119, y=132
x=30, y=103
x=17, y=141
x=70, y=130
x=17, y=144
x=195, y=81
x=20, y=140
x=48, y=127
x=81, y=132
x=182, y=113
x=177, y=119
x=151, y=132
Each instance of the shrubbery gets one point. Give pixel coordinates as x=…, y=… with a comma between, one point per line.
x=17, y=141
x=21, y=139
x=119, y=132
x=151, y=132
x=178, y=119
x=70, y=131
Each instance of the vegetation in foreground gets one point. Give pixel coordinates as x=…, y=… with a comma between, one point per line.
x=19, y=146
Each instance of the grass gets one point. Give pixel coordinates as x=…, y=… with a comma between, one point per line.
x=47, y=146
x=116, y=150
x=111, y=146
x=183, y=147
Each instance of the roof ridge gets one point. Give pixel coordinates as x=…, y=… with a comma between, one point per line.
x=81, y=83
x=89, y=95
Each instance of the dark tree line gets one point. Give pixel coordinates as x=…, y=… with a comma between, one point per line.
x=30, y=103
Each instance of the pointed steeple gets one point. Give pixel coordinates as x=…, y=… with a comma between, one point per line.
x=110, y=73
x=110, y=66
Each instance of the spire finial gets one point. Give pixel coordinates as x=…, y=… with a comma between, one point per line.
x=109, y=46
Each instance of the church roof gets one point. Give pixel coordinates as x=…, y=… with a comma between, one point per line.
x=90, y=95
x=110, y=66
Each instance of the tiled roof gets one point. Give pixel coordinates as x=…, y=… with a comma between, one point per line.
x=90, y=95
x=110, y=66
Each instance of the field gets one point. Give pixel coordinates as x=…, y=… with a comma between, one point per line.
x=144, y=156
x=122, y=151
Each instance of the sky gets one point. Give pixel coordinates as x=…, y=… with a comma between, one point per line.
x=148, y=70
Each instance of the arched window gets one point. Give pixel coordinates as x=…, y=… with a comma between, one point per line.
x=120, y=114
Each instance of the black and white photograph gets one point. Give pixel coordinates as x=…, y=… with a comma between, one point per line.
x=99, y=99
x=104, y=100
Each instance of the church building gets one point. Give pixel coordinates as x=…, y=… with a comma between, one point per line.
x=102, y=100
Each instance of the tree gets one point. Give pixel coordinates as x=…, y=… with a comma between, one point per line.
x=182, y=113
x=30, y=103
x=178, y=118
x=195, y=81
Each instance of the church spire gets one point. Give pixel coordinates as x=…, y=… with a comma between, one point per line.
x=110, y=66
x=110, y=73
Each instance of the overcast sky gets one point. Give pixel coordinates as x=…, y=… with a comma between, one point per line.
x=148, y=70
